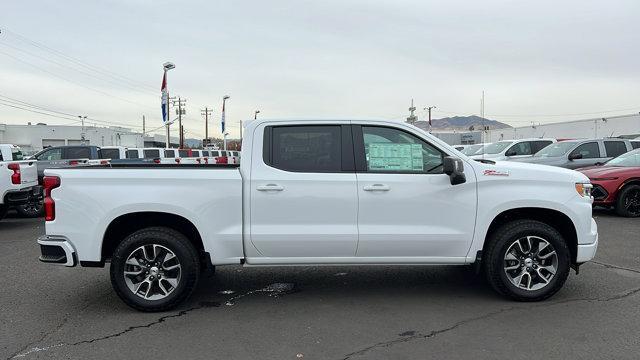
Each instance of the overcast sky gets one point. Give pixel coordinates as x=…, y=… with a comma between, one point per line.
x=321, y=59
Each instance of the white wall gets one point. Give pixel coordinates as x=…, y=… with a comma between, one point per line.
x=30, y=137
x=590, y=128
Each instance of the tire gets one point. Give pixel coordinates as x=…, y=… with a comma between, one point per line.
x=538, y=284
x=628, y=203
x=31, y=210
x=155, y=243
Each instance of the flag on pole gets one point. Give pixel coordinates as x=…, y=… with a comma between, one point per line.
x=165, y=99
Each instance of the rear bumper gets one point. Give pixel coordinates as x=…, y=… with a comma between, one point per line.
x=22, y=196
x=587, y=251
x=57, y=250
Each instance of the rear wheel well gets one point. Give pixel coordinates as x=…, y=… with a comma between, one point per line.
x=125, y=225
x=559, y=221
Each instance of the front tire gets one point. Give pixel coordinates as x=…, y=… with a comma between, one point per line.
x=526, y=260
x=154, y=269
x=628, y=203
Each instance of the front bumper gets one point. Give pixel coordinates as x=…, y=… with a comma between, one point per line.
x=57, y=250
x=587, y=251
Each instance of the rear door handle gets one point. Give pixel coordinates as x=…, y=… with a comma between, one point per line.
x=376, y=187
x=270, y=187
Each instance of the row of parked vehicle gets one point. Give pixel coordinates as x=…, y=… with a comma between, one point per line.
x=21, y=177
x=612, y=165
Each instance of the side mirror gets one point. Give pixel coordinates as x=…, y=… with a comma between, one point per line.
x=510, y=153
x=454, y=167
x=575, y=156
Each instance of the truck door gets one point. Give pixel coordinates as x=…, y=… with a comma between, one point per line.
x=303, y=197
x=407, y=205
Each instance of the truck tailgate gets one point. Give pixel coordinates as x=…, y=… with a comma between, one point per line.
x=28, y=173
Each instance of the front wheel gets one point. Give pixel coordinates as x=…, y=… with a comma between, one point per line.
x=527, y=260
x=628, y=203
x=154, y=269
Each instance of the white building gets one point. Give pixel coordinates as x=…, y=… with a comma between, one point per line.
x=627, y=126
x=33, y=138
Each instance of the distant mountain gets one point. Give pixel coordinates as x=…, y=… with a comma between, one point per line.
x=461, y=123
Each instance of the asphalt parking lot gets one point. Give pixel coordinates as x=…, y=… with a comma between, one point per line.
x=363, y=312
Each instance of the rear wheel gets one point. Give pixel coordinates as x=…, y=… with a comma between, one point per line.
x=154, y=269
x=527, y=260
x=628, y=203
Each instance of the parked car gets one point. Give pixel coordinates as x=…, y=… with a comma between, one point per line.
x=512, y=149
x=322, y=192
x=473, y=149
x=18, y=180
x=573, y=154
x=616, y=184
x=60, y=156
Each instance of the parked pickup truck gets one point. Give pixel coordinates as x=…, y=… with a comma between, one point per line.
x=321, y=192
x=18, y=179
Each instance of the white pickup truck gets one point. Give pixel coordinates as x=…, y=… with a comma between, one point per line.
x=18, y=179
x=321, y=192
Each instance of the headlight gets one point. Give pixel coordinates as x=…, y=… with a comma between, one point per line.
x=584, y=189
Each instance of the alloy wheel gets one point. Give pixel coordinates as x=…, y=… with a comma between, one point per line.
x=152, y=272
x=530, y=263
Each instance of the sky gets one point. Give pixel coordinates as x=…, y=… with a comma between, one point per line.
x=542, y=61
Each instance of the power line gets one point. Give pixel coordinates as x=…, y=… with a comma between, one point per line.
x=38, y=112
x=75, y=60
x=73, y=82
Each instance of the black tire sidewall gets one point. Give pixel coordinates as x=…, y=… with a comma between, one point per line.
x=620, y=202
x=505, y=237
x=174, y=241
x=30, y=214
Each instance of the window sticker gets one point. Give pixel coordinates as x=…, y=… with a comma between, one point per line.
x=395, y=157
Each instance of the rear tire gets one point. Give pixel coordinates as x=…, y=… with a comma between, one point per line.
x=526, y=260
x=628, y=203
x=154, y=269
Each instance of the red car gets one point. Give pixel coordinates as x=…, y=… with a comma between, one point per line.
x=617, y=183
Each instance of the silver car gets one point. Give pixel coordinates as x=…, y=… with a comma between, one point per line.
x=573, y=154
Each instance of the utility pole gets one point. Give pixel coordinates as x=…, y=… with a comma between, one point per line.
x=224, y=132
x=180, y=111
x=206, y=112
x=143, y=127
x=429, y=109
x=412, y=117
x=82, y=134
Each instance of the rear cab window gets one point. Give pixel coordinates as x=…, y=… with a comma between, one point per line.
x=183, y=153
x=151, y=153
x=110, y=153
x=132, y=154
x=79, y=152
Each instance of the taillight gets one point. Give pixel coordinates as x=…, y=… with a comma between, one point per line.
x=50, y=183
x=178, y=160
x=198, y=160
x=15, y=177
x=104, y=162
x=206, y=160
x=223, y=160
x=156, y=160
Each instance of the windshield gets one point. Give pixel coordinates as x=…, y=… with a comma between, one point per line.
x=470, y=150
x=497, y=148
x=632, y=158
x=556, y=149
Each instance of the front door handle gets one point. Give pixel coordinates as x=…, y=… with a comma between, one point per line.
x=270, y=187
x=376, y=187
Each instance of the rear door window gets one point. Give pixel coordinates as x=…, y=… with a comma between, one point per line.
x=589, y=150
x=51, y=154
x=615, y=148
x=78, y=152
x=306, y=148
x=635, y=144
x=539, y=145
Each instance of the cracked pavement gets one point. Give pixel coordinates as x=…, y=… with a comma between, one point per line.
x=362, y=312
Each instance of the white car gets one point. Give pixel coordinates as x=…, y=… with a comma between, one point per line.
x=161, y=156
x=113, y=152
x=18, y=179
x=322, y=193
x=512, y=149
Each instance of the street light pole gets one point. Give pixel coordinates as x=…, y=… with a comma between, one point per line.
x=165, y=99
x=224, y=132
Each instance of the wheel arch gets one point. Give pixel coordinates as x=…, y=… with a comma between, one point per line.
x=554, y=218
x=126, y=224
